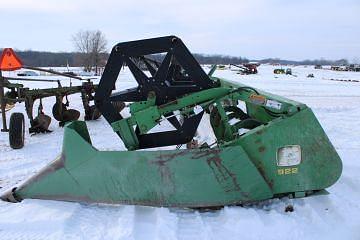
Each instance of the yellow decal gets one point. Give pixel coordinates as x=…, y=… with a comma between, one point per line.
x=257, y=99
x=287, y=171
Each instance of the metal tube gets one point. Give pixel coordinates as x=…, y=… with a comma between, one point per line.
x=53, y=72
x=29, y=80
x=2, y=103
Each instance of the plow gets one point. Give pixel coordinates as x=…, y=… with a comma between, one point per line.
x=265, y=146
x=18, y=93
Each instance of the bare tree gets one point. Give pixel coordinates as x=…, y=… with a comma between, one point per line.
x=91, y=46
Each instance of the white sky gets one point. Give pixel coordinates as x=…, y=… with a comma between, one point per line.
x=297, y=30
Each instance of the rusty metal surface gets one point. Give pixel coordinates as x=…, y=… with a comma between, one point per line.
x=157, y=178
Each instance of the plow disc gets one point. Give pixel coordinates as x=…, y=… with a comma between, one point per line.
x=274, y=147
x=8, y=107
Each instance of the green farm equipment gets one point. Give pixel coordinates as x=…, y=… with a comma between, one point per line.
x=266, y=146
x=288, y=71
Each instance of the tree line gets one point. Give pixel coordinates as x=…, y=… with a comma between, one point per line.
x=75, y=59
x=91, y=53
x=340, y=62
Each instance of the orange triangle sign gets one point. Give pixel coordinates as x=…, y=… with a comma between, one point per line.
x=9, y=61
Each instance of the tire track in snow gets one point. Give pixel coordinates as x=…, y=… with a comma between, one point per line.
x=154, y=223
x=45, y=222
x=99, y=222
x=191, y=226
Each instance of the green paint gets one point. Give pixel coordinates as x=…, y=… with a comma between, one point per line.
x=242, y=168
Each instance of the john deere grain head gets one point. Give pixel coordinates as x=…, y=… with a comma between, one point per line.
x=266, y=146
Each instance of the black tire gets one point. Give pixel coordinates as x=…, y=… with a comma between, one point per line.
x=17, y=130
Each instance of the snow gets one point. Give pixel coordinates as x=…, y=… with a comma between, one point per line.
x=333, y=216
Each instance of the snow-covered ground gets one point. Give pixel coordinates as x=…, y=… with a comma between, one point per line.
x=333, y=216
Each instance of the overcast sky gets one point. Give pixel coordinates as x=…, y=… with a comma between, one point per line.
x=287, y=29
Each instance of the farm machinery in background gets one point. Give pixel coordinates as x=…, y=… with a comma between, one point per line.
x=346, y=68
x=265, y=146
x=246, y=68
x=220, y=67
x=287, y=71
x=18, y=93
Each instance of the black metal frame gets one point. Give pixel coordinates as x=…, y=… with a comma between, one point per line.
x=29, y=96
x=178, y=74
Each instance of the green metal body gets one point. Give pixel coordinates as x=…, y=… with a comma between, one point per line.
x=240, y=168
